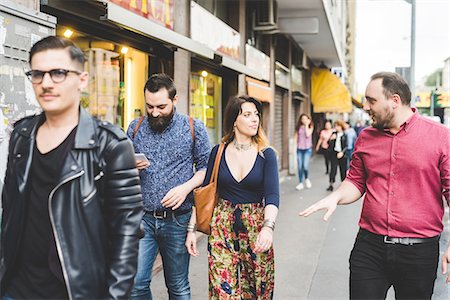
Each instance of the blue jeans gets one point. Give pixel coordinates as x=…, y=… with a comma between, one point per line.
x=169, y=236
x=303, y=157
x=7, y=297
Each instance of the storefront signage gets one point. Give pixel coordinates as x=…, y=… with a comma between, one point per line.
x=211, y=31
x=257, y=60
x=159, y=11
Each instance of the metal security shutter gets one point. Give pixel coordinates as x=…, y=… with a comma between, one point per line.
x=278, y=124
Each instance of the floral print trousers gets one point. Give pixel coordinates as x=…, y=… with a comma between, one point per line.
x=235, y=271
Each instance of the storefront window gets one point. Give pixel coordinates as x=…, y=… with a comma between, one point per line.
x=116, y=80
x=206, y=94
x=102, y=96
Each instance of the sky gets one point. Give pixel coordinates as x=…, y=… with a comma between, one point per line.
x=383, y=31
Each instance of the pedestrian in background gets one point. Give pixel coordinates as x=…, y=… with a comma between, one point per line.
x=359, y=126
x=322, y=146
x=402, y=165
x=303, y=140
x=240, y=253
x=351, y=135
x=173, y=150
x=338, y=149
x=71, y=201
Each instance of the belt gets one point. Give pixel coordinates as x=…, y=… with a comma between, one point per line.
x=166, y=214
x=395, y=240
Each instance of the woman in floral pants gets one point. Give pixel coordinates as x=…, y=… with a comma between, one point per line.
x=240, y=253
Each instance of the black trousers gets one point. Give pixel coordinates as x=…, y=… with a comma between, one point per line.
x=376, y=266
x=335, y=162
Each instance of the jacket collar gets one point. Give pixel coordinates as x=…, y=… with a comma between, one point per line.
x=84, y=138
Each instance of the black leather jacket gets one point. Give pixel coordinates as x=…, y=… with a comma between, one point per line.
x=95, y=209
x=332, y=143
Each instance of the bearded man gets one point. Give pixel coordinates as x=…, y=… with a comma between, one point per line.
x=167, y=179
x=402, y=164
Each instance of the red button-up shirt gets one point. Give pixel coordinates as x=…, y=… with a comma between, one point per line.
x=405, y=176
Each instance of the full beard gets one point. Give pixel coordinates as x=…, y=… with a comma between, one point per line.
x=159, y=124
x=382, y=123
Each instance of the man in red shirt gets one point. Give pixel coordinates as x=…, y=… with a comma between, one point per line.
x=402, y=165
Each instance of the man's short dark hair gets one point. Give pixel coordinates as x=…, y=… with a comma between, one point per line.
x=392, y=84
x=159, y=81
x=56, y=42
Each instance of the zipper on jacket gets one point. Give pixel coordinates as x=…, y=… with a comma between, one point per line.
x=89, y=197
x=52, y=221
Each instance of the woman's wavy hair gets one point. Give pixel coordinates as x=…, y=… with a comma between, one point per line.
x=233, y=110
x=299, y=121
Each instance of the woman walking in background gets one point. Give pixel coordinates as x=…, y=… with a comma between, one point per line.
x=322, y=144
x=338, y=147
x=303, y=139
x=240, y=253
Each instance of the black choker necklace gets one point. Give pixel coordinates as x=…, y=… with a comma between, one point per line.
x=241, y=147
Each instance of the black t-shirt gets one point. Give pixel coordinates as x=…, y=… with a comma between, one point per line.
x=38, y=269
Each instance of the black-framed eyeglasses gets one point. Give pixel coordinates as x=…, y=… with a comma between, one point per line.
x=57, y=75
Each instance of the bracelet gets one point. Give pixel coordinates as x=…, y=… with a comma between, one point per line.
x=191, y=227
x=269, y=223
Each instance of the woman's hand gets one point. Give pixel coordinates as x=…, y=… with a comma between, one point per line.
x=191, y=243
x=264, y=240
x=340, y=155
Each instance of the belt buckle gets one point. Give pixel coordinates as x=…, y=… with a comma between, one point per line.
x=157, y=216
x=387, y=241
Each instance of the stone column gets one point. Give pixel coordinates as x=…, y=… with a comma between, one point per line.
x=182, y=58
x=242, y=87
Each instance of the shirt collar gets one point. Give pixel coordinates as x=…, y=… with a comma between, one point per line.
x=411, y=120
x=408, y=123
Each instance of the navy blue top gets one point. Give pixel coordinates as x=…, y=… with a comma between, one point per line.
x=260, y=184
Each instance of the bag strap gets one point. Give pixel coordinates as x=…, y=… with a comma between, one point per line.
x=137, y=126
x=215, y=171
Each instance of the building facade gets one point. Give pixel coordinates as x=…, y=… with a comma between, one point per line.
x=213, y=49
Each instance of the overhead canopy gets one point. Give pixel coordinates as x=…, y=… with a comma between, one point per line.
x=259, y=90
x=328, y=93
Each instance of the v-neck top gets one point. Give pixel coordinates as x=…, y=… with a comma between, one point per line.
x=260, y=184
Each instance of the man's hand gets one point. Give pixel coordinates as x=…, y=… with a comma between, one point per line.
x=191, y=243
x=142, y=164
x=445, y=262
x=175, y=197
x=328, y=203
x=264, y=240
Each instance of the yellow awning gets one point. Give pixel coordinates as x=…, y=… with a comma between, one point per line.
x=328, y=93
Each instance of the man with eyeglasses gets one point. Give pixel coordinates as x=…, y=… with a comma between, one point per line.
x=72, y=201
